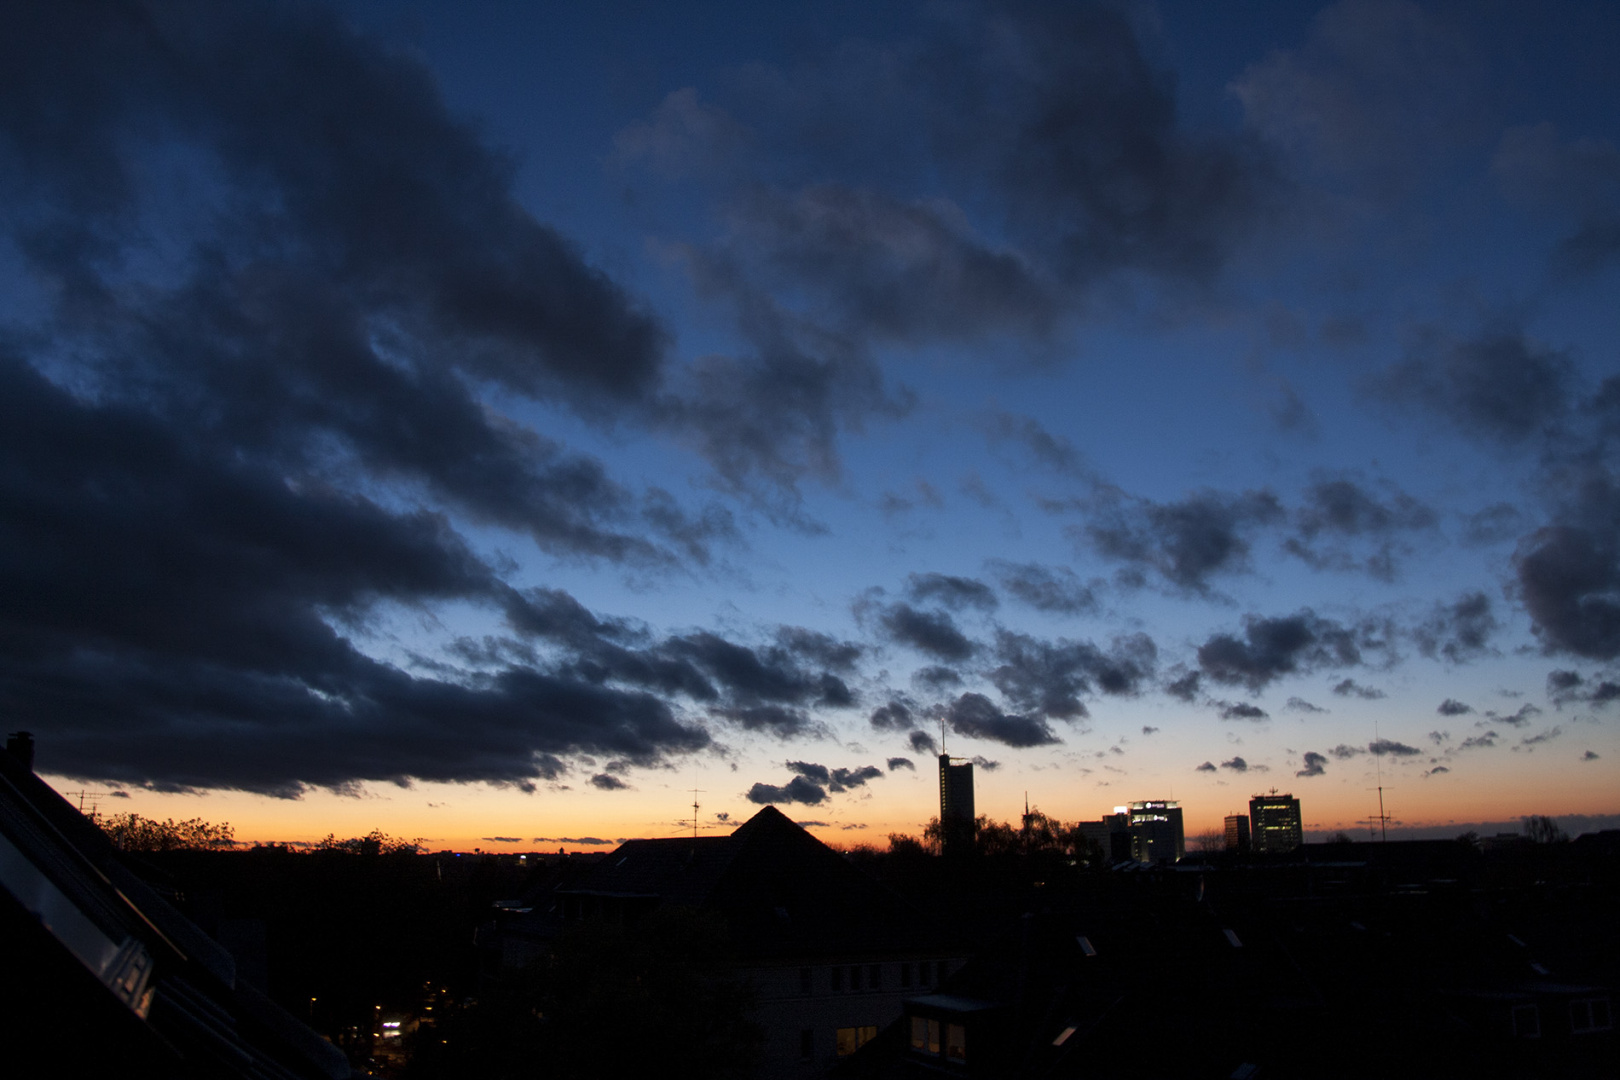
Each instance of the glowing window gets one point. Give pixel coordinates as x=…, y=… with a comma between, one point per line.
x=955, y=1042
x=851, y=1039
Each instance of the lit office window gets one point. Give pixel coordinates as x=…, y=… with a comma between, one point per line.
x=851, y=1039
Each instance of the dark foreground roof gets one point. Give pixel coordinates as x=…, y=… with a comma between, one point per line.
x=105, y=977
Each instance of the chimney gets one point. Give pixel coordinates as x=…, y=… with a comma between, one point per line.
x=20, y=745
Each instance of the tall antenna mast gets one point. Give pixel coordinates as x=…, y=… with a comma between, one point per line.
x=942, y=734
x=695, y=793
x=1378, y=769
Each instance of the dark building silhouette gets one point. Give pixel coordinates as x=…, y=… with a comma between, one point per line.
x=1237, y=833
x=1276, y=824
x=827, y=952
x=956, y=814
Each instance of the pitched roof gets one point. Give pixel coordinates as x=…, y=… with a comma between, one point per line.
x=781, y=891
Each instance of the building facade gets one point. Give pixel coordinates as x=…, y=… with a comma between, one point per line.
x=1237, y=833
x=1156, y=831
x=1275, y=823
x=956, y=813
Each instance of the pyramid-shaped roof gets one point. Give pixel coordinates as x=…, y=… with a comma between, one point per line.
x=781, y=891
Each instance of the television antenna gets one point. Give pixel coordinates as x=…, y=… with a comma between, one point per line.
x=82, y=796
x=1378, y=767
x=695, y=793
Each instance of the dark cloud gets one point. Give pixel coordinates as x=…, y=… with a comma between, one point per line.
x=953, y=592
x=1344, y=507
x=901, y=763
x=1315, y=764
x=844, y=779
x=981, y=762
x=587, y=841
x=1208, y=766
x=1499, y=386
x=1300, y=705
x=1460, y=631
x=975, y=716
x=1048, y=678
x=923, y=743
x=1344, y=753
x=1545, y=736
x=818, y=773
x=930, y=632
x=1351, y=688
x=1052, y=451
x=936, y=678
x=901, y=269
x=233, y=468
x=812, y=646
x=1518, y=718
x=1187, y=687
x=1564, y=687
x=1492, y=525
x=758, y=687
x=784, y=723
x=1242, y=710
x=769, y=418
x=1453, y=707
x=502, y=839
x=1569, y=574
x=1148, y=729
x=796, y=790
x=608, y=783
x=1382, y=747
x=1337, y=512
x=1479, y=742
x=894, y=716
x=1578, y=180
x=1384, y=93
x=1188, y=542
x=160, y=596
x=1051, y=122
x=1237, y=764
x=1437, y=770
x=1051, y=589
x=1589, y=755
x=1272, y=648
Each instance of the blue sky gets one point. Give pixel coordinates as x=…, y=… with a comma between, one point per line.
x=536, y=413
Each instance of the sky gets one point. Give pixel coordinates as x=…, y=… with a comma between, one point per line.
x=507, y=424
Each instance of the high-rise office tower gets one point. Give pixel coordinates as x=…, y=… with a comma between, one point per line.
x=1156, y=833
x=1275, y=823
x=1237, y=832
x=956, y=815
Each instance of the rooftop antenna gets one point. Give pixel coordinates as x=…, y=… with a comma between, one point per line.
x=83, y=795
x=1378, y=768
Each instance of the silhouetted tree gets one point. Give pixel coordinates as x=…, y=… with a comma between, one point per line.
x=376, y=842
x=1542, y=829
x=131, y=832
